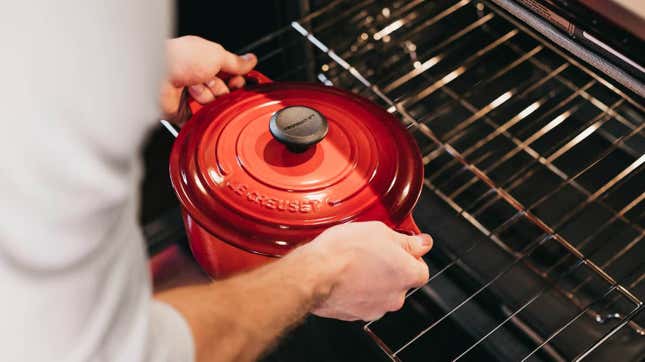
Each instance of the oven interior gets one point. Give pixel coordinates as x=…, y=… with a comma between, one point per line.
x=533, y=183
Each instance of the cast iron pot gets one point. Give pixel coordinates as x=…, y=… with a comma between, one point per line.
x=270, y=166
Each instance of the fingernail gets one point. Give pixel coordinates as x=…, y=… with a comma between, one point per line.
x=425, y=239
x=211, y=83
x=197, y=89
x=248, y=56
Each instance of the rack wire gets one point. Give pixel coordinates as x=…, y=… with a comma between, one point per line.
x=538, y=157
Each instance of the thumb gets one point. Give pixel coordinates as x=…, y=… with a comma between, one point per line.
x=237, y=64
x=416, y=245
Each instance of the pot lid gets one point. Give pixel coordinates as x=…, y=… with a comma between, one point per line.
x=270, y=166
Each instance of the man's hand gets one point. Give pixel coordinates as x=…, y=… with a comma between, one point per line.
x=372, y=268
x=205, y=68
x=351, y=271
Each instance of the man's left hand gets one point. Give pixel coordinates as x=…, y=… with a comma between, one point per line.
x=205, y=68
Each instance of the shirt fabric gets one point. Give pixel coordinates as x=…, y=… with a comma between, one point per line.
x=80, y=81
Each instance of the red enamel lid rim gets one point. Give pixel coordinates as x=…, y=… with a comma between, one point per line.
x=240, y=183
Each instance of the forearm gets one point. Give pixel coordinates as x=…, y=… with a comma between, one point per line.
x=238, y=318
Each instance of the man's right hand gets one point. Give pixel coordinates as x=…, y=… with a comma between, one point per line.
x=351, y=271
x=370, y=267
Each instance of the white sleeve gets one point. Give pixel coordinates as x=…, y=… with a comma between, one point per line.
x=79, y=90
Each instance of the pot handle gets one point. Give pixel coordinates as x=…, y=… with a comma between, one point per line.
x=408, y=226
x=254, y=76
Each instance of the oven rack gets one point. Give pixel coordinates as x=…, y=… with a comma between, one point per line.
x=541, y=156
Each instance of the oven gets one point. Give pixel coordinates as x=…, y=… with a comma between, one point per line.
x=529, y=116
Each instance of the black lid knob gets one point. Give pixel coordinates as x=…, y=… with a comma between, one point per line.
x=298, y=127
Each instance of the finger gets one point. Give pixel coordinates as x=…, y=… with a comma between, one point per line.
x=335, y=314
x=416, y=245
x=201, y=93
x=217, y=87
x=372, y=317
x=397, y=302
x=169, y=99
x=237, y=64
x=419, y=274
x=236, y=82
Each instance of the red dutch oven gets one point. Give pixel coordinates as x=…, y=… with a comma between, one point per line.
x=270, y=166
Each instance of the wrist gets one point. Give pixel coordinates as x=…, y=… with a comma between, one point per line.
x=317, y=270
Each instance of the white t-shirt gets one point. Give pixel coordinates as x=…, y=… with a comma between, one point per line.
x=79, y=90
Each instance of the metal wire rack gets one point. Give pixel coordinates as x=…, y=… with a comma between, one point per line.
x=537, y=160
